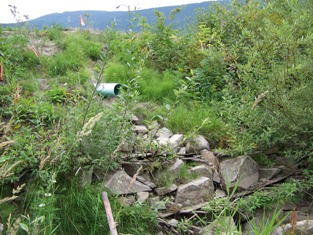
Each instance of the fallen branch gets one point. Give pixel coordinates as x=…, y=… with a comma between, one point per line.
x=108, y=211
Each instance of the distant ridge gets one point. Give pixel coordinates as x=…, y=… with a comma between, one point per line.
x=121, y=19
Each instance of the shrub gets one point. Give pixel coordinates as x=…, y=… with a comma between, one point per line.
x=266, y=58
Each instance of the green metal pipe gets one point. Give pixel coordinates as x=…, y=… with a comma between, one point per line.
x=108, y=89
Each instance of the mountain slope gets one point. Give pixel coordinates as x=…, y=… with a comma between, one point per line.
x=121, y=19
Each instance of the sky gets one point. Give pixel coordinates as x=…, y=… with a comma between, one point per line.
x=37, y=8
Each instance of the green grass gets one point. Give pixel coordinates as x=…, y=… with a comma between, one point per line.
x=156, y=87
x=199, y=118
x=82, y=212
x=117, y=72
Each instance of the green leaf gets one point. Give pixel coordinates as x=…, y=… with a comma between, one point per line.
x=4, y=158
x=24, y=227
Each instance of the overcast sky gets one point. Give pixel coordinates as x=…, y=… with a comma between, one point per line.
x=37, y=8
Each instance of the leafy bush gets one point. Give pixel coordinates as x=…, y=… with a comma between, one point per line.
x=93, y=50
x=57, y=94
x=266, y=58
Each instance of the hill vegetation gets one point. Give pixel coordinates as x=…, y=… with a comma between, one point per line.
x=241, y=76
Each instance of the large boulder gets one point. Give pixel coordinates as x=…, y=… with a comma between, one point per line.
x=197, y=144
x=210, y=158
x=176, y=167
x=175, y=141
x=242, y=171
x=195, y=192
x=121, y=183
x=164, y=133
x=202, y=170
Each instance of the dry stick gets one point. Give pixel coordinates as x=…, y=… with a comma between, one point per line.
x=108, y=211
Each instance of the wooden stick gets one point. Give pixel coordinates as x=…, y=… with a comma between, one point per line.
x=108, y=211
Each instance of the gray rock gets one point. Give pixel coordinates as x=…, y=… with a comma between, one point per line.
x=176, y=167
x=242, y=170
x=142, y=196
x=194, y=192
x=269, y=173
x=163, y=141
x=176, y=141
x=121, y=183
x=219, y=193
x=182, y=151
x=156, y=203
x=210, y=158
x=165, y=190
x=140, y=129
x=135, y=120
x=202, y=170
x=146, y=181
x=173, y=222
x=164, y=133
x=216, y=177
x=303, y=227
x=131, y=168
x=197, y=144
x=127, y=201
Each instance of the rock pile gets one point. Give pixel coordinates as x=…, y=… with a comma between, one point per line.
x=176, y=175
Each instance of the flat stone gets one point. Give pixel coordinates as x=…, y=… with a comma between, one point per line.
x=163, y=141
x=141, y=129
x=146, y=181
x=242, y=170
x=269, y=173
x=173, y=222
x=216, y=177
x=176, y=167
x=121, y=183
x=164, y=133
x=192, y=208
x=182, y=151
x=202, y=170
x=127, y=201
x=156, y=203
x=176, y=141
x=210, y=158
x=219, y=193
x=197, y=144
x=194, y=192
x=131, y=168
x=142, y=196
x=165, y=190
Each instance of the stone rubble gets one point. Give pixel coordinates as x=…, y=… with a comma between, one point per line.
x=184, y=182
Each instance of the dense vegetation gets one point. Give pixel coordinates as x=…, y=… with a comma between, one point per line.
x=241, y=76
